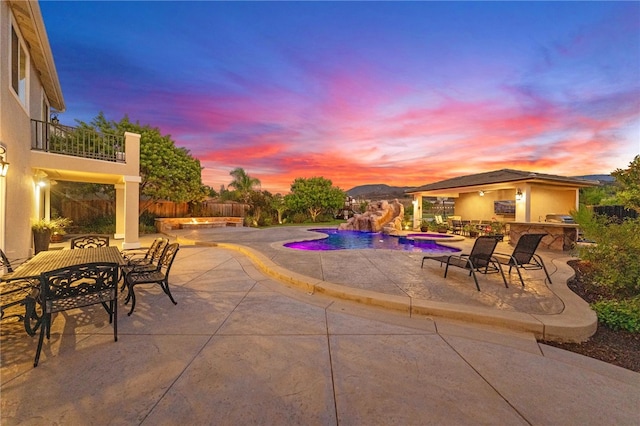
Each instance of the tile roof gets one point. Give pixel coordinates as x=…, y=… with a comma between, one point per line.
x=499, y=176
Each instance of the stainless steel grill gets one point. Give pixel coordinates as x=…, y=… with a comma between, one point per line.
x=559, y=218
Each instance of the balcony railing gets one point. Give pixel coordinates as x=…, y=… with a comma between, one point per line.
x=77, y=142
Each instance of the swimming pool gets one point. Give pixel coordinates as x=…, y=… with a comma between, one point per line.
x=351, y=240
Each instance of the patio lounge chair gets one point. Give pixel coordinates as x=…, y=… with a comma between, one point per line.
x=159, y=275
x=479, y=260
x=76, y=287
x=90, y=241
x=524, y=257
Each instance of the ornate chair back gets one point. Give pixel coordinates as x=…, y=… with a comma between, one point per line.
x=90, y=241
x=75, y=287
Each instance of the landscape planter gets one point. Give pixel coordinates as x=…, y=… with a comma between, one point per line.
x=41, y=241
x=57, y=238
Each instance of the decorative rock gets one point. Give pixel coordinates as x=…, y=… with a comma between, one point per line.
x=381, y=216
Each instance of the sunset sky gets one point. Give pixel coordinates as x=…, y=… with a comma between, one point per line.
x=401, y=93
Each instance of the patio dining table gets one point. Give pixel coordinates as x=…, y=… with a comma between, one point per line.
x=46, y=261
x=23, y=282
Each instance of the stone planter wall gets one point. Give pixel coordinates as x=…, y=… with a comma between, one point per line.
x=164, y=225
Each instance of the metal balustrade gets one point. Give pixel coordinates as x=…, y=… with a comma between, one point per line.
x=77, y=142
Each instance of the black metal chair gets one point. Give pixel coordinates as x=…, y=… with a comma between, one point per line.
x=144, y=260
x=524, y=256
x=89, y=241
x=480, y=259
x=151, y=256
x=77, y=287
x=19, y=292
x=456, y=227
x=159, y=275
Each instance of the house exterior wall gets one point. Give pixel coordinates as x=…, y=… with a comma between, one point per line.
x=471, y=206
x=543, y=200
x=21, y=201
x=549, y=199
x=18, y=204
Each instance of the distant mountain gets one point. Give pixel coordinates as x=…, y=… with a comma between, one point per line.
x=378, y=192
x=601, y=178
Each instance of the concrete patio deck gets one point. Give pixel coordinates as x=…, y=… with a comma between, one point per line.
x=396, y=280
x=242, y=348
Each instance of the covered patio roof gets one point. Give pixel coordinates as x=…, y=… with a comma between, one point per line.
x=498, y=179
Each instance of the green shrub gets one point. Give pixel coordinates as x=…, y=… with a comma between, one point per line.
x=615, y=254
x=99, y=225
x=619, y=314
x=147, y=219
x=146, y=229
x=299, y=218
x=325, y=217
x=250, y=221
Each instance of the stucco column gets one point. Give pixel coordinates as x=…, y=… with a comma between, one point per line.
x=47, y=200
x=120, y=211
x=417, y=211
x=523, y=205
x=131, y=192
x=131, y=215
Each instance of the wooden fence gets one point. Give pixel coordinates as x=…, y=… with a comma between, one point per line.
x=85, y=211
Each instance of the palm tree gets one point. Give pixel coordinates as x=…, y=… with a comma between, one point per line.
x=243, y=183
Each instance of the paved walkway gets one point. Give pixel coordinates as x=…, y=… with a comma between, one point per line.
x=242, y=348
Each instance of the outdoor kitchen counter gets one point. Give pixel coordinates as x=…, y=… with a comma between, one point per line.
x=560, y=236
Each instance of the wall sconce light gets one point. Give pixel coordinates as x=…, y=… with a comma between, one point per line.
x=4, y=166
x=41, y=178
x=54, y=119
x=518, y=194
x=481, y=193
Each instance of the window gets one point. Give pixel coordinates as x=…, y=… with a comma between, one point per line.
x=18, y=67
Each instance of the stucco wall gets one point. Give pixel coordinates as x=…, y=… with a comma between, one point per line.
x=548, y=199
x=472, y=206
x=15, y=134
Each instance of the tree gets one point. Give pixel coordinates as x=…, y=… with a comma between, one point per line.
x=243, y=184
x=210, y=191
x=599, y=195
x=314, y=195
x=629, y=180
x=279, y=206
x=259, y=202
x=167, y=172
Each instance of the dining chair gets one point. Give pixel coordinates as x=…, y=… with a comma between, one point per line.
x=89, y=241
x=143, y=260
x=159, y=275
x=76, y=287
x=15, y=293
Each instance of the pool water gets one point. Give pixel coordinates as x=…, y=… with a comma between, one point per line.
x=350, y=240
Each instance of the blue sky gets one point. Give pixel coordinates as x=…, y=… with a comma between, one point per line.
x=402, y=93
